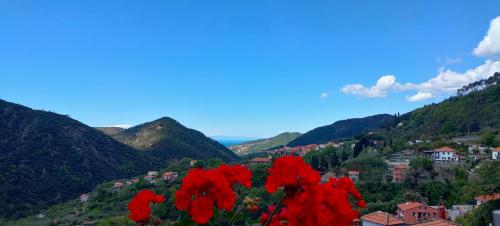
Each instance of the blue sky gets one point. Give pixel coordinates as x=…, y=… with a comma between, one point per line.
x=239, y=68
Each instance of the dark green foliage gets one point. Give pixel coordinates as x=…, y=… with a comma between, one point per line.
x=476, y=111
x=343, y=129
x=166, y=138
x=490, y=139
x=483, y=215
x=47, y=158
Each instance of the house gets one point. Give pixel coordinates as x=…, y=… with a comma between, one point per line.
x=485, y=198
x=415, y=212
x=445, y=154
x=438, y=222
x=84, y=198
x=459, y=210
x=153, y=173
x=353, y=175
x=133, y=181
x=118, y=184
x=495, y=153
x=170, y=176
x=149, y=177
x=399, y=172
x=193, y=162
x=260, y=161
x=381, y=219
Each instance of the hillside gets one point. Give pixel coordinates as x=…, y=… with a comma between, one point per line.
x=343, y=129
x=166, y=138
x=47, y=158
x=110, y=131
x=477, y=110
x=265, y=144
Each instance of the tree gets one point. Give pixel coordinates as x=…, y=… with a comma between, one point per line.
x=489, y=139
x=334, y=160
x=315, y=162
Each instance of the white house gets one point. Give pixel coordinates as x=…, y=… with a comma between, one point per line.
x=445, y=154
x=495, y=153
x=153, y=173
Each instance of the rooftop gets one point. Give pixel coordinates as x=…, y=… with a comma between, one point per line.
x=438, y=222
x=445, y=149
x=409, y=205
x=382, y=218
x=485, y=198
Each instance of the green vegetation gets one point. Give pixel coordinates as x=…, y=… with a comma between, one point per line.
x=166, y=138
x=343, y=129
x=273, y=142
x=47, y=158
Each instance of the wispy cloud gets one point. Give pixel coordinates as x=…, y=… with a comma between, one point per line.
x=324, y=95
x=380, y=89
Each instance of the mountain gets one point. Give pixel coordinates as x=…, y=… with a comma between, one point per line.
x=166, y=138
x=265, y=144
x=476, y=107
x=47, y=158
x=110, y=131
x=343, y=129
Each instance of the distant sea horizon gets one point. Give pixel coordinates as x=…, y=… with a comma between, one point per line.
x=228, y=143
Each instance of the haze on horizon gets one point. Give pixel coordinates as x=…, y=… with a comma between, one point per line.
x=242, y=69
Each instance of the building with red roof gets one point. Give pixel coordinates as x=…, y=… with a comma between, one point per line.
x=381, y=219
x=438, y=222
x=260, y=161
x=495, y=153
x=445, y=155
x=415, y=212
x=399, y=172
x=485, y=198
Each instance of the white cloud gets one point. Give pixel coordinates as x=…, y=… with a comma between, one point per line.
x=449, y=60
x=324, y=95
x=125, y=126
x=447, y=81
x=419, y=96
x=490, y=45
x=380, y=89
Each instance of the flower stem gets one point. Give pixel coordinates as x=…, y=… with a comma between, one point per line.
x=240, y=208
x=278, y=205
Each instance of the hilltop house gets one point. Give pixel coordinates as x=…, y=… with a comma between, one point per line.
x=153, y=173
x=118, y=184
x=84, y=198
x=170, y=176
x=381, y=219
x=444, y=155
x=495, y=153
x=132, y=181
x=485, y=198
x=193, y=162
x=415, y=212
x=399, y=172
x=353, y=175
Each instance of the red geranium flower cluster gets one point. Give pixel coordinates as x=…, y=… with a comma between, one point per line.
x=139, y=206
x=202, y=189
x=307, y=201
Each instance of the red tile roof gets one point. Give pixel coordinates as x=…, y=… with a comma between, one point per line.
x=445, y=149
x=382, y=218
x=353, y=172
x=266, y=160
x=497, y=149
x=409, y=205
x=485, y=198
x=438, y=222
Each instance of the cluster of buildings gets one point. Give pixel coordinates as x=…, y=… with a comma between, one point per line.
x=420, y=214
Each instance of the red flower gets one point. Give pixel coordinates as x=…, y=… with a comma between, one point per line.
x=139, y=206
x=279, y=219
x=308, y=202
x=292, y=173
x=236, y=174
x=201, y=190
